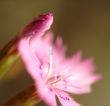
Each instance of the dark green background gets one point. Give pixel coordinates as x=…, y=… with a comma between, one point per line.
x=83, y=24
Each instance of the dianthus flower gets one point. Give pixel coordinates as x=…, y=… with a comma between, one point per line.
x=53, y=73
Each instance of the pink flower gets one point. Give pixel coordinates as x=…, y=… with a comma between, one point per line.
x=53, y=73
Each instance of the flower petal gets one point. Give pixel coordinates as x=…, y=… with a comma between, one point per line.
x=45, y=93
x=27, y=52
x=66, y=100
x=30, y=61
x=79, y=77
x=59, y=46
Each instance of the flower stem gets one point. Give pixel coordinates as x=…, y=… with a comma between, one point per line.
x=27, y=97
x=9, y=48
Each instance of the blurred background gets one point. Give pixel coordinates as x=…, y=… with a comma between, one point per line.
x=83, y=24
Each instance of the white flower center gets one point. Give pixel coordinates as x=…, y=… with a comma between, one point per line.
x=54, y=79
x=51, y=79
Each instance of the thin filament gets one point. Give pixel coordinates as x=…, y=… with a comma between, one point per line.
x=49, y=73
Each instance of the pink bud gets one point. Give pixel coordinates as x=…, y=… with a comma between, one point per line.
x=38, y=26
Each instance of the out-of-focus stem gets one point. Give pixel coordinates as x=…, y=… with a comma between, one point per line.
x=23, y=97
x=9, y=48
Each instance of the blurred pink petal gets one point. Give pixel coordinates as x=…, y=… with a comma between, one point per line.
x=45, y=93
x=66, y=100
x=33, y=30
x=53, y=73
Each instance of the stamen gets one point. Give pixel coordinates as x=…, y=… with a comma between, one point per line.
x=54, y=79
x=66, y=86
x=49, y=73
